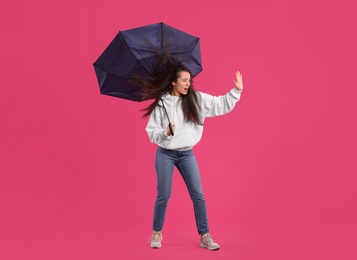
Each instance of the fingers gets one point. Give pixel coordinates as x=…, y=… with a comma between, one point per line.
x=239, y=80
x=168, y=129
x=168, y=133
x=239, y=76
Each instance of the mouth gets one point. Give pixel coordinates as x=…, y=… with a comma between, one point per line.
x=186, y=89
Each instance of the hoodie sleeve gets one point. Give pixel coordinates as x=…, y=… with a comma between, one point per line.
x=155, y=128
x=219, y=105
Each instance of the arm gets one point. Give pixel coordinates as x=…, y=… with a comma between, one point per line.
x=220, y=105
x=155, y=129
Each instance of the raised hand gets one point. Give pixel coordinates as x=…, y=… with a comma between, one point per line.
x=239, y=81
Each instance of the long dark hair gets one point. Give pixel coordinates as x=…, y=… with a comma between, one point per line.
x=156, y=86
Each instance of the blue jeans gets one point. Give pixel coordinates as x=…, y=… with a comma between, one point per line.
x=185, y=162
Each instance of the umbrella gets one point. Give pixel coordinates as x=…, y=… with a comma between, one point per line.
x=139, y=52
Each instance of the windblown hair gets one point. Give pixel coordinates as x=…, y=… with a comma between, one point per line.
x=156, y=86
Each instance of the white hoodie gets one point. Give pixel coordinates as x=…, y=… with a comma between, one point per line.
x=187, y=134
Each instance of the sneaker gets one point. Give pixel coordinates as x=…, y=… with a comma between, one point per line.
x=155, y=241
x=207, y=242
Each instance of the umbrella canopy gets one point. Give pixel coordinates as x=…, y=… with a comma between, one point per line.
x=138, y=53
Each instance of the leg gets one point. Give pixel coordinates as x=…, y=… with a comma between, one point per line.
x=188, y=168
x=164, y=165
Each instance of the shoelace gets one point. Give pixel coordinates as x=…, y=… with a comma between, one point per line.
x=156, y=236
x=207, y=239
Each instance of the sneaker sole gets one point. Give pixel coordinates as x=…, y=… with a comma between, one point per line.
x=155, y=247
x=212, y=248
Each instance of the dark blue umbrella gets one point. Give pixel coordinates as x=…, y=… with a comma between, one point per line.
x=139, y=53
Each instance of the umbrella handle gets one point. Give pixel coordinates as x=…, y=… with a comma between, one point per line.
x=172, y=132
x=168, y=118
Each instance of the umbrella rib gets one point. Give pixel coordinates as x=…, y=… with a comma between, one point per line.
x=131, y=51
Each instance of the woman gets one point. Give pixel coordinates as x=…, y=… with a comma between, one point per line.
x=176, y=125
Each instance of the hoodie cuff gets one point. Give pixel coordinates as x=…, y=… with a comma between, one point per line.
x=236, y=93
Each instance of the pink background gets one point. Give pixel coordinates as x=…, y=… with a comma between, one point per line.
x=279, y=173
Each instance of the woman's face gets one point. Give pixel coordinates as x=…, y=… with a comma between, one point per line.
x=182, y=84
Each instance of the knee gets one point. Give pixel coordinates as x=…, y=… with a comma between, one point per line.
x=198, y=198
x=163, y=198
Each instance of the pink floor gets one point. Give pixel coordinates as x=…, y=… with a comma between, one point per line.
x=179, y=243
